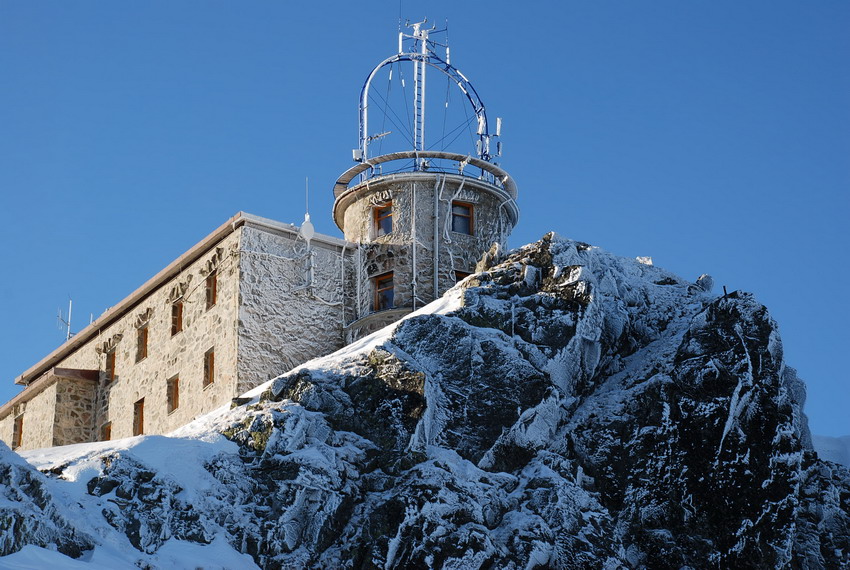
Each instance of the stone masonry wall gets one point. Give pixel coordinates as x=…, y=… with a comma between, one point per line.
x=38, y=421
x=283, y=322
x=394, y=251
x=181, y=355
x=73, y=420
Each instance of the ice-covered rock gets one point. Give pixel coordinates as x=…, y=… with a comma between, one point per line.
x=561, y=408
x=29, y=514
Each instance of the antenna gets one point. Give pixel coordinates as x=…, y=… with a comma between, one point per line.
x=62, y=322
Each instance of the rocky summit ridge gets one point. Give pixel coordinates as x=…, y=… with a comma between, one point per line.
x=561, y=408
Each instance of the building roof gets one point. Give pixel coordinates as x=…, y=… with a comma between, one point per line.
x=170, y=271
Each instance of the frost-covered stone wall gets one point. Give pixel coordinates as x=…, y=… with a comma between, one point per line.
x=292, y=302
x=425, y=197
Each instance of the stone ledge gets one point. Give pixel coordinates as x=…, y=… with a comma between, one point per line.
x=45, y=381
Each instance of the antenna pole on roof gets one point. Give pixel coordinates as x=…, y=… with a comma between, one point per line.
x=66, y=324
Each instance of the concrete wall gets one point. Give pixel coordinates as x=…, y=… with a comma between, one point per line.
x=283, y=322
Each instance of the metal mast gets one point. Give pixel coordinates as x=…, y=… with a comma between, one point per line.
x=422, y=54
x=420, y=36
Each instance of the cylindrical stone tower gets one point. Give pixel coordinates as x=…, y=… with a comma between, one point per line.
x=422, y=218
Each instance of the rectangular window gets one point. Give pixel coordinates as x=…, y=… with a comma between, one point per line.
x=18, y=432
x=209, y=367
x=106, y=431
x=461, y=275
x=384, y=292
x=176, y=317
x=139, y=417
x=462, y=218
x=142, y=342
x=173, y=393
x=110, y=366
x=384, y=219
x=212, y=289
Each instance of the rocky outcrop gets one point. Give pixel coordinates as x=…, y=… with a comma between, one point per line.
x=573, y=409
x=29, y=513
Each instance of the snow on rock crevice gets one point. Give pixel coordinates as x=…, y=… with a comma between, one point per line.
x=563, y=407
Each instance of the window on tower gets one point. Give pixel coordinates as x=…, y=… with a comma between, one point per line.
x=462, y=218
x=383, y=219
x=384, y=292
x=461, y=275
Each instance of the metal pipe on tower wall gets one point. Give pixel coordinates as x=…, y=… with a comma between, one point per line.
x=413, y=242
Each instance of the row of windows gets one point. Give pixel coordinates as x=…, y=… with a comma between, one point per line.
x=172, y=387
x=462, y=218
x=172, y=394
x=384, y=290
x=143, y=332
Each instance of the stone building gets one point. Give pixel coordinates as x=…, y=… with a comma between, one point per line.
x=232, y=312
x=224, y=317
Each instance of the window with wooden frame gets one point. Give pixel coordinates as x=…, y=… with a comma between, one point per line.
x=462, y=218
x=176, y=316
x=212, y=289
x=383, y=219
x=110, y=365
x=461, y=275
x=106, y=431
x=384, y=292
x=18, y=432
x=139, y=417
x=172, y=387
x=209, y=367
x=142, y=342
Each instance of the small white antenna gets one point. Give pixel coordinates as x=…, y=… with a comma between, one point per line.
x=66, y=323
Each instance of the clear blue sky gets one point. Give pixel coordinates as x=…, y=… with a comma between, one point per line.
x=712, y=136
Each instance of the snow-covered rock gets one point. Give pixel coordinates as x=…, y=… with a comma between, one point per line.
x=562, y=408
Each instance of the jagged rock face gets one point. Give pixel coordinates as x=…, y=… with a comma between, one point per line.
x=576, y=410
x=28, y=514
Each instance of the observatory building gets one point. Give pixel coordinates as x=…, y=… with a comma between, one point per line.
x=257, y=297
